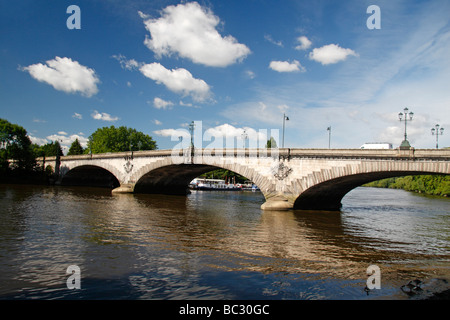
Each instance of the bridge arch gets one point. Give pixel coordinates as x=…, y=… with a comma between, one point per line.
x=325, y=189
x=166, y=177
x=88, y=175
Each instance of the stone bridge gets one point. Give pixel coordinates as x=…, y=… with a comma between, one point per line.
x=315, y=179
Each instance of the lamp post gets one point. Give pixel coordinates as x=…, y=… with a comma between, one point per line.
x=191, y=130
x=244, y=136
x=437, y=132
x=329, y=137
x=284, y=120
x=405, y=116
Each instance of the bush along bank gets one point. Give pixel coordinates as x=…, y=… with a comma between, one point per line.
x=437, y=185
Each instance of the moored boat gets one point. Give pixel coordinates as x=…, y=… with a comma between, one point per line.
x=214, y=185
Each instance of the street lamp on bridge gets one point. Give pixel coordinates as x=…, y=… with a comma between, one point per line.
x=406, y=116
x=191, y=130
x=284, y=119
x=437, y=132
x=329, y=137
x=244, y=136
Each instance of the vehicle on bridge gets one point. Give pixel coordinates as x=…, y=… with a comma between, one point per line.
x=377, y=145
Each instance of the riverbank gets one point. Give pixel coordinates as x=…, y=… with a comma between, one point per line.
x=445, y=295
x=435, y=185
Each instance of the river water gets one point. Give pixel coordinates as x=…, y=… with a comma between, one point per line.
x=217, y=245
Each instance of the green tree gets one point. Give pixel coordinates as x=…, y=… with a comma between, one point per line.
x=224, y=174
x=271, y=143
x=75, y=148
x=429, y=184
x=51, y=149
x=15, y=145
x=112, y=139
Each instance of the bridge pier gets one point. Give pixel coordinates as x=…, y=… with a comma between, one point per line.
x=277, y=203
x=124, y=188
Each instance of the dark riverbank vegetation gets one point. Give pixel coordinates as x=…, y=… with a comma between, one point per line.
x=223, y=174
x=18, y=155
x=437, y=185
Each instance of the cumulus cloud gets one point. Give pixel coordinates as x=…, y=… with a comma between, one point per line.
x=77, y=116
x=304, y=43
x=103, y=116
x=189, y=31
x=159, y=103
x=38, y=141
x=173, y=133
x=229, y=131
x=330, y=54
x=221, y=136
x=66, y=75
x=64, y=139
x=179, y=81
x=285, y=66
x=128, y=64
x=269, y=38
x=250, y=74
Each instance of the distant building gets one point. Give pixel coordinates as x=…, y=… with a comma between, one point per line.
x=377, y=145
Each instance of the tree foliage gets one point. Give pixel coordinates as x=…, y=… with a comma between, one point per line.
x=112, y=139
x=224, y=174
x=75, y=148
x=271, y=143
x=51, y=149
x=429, y=184
x=15, y=145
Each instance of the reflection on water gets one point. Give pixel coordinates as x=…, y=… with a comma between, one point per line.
x=215, y=245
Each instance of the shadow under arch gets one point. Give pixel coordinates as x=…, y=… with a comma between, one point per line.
x=90, y=175
x=329, y=194
x=172, y=179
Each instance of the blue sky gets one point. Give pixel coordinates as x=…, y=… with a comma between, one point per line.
x=233, y=65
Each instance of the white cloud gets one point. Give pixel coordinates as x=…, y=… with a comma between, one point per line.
x=159, y=103
x=190, y=31
x=77, y=116
x=63, y=138
x=185, y=104
x=330, y=54
x=285, y=66
x=179, y=81
x=157, y=122
x=305, y=43
x=128, y=64
x=173, y=133
x=221, y=136
x=66, y=75
x=250, y=74
x=66, y=141
x=38, y=141
x=39, y=120
x=269, y=38
x=229, y=131
x=103, y=116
